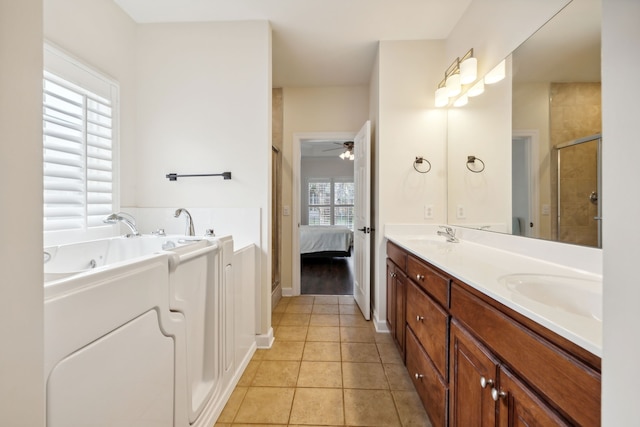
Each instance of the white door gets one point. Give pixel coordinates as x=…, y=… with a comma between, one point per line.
x=362, y=219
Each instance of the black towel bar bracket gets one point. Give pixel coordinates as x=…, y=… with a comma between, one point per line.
x=175, y=176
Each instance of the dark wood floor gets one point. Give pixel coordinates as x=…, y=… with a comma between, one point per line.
x=326, y=276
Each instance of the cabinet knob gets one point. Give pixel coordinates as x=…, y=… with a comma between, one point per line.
x=484, y=382
x=497, y=394
x=419, y=376
x=419, y=318
x=393, y=275
x=419, y=277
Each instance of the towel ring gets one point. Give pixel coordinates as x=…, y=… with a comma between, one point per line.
x=472, y=160
x=420, y=160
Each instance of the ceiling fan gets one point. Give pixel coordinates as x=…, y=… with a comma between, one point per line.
x=347, y=146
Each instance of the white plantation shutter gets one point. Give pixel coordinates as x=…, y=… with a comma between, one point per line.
x=78, y=128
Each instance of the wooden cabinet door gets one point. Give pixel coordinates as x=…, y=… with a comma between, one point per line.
x=520, y=407
x=391, y=300
x=400, y=297
x=471, y=404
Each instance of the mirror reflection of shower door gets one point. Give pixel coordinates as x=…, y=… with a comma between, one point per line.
x=580, y=192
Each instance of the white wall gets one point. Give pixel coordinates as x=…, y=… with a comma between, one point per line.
x=482, y=128
x=531, y=112
x=309, y=110
x=21, y=293
x=408, y=126
x=204, y=106
x=621, y=230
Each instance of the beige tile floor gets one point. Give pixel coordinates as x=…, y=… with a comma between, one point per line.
x=326, y=367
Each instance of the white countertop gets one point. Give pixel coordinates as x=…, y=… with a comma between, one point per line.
x=481, y=266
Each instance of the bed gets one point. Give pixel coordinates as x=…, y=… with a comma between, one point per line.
x=325, y=240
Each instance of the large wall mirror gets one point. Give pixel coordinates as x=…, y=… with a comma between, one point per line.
x=537, y=134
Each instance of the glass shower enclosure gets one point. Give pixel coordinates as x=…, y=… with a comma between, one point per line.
x=579, y=191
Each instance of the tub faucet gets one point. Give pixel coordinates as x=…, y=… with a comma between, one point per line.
x=189, y=230
x=122, y=217
x=449, y=233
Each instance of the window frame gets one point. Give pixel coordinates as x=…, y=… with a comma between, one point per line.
x=69, y=68
x=332, y=181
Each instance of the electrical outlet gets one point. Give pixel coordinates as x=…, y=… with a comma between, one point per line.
x=545, y=209
x=460, y=213
x=285, y=210
x=428, y=211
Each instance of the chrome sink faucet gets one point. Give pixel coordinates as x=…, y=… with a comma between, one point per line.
x=449, y=233
x=189, y=230
x=122, y=217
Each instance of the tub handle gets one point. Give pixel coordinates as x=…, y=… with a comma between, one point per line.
x=176, y=259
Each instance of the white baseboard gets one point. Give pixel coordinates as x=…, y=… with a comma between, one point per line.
x=265, y=341
x=287, y=292
x=276, y=296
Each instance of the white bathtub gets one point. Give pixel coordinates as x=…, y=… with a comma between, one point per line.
x=66, y=260
x=136, y=332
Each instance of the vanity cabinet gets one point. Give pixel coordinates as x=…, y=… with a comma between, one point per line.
x=396, y=295
x=476, y=362
x=485, y=391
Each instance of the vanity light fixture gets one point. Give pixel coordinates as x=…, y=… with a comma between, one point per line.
x=462, y=101
x=496, y=74
x=476, y=89
x=468, y=68
x=442, y=99
x=461, y=72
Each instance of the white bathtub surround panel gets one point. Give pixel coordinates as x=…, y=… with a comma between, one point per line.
x=242, y=223
x=105, y=314
x=137, y=361
x=483, y=267
x=581, y=258
x=159, y=339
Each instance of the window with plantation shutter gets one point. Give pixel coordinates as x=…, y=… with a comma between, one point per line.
x=79, y=117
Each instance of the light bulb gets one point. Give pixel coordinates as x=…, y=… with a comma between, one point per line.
x=351, y=157
x=468, y=70
x=442, y=99
x=453, y=85
x=476, y=89
x=498, y=73
x=463, y=100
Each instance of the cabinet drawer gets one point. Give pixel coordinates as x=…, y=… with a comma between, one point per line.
x=432, y=391
x=397, y=255
x=566, y=383
x=430, y=324
x=429, y=280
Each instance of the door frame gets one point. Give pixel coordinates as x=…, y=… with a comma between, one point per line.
x=298, y=140
x=531, y=138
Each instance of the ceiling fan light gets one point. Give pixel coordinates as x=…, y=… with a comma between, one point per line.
x=351, y=157
x=343, y=155
x=468, y=70
x=498, y=73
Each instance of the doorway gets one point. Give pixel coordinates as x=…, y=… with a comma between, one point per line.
x=326, y=200
x=361, y=211
x=524, y=179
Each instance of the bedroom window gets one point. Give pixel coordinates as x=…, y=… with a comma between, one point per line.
x=331, y=202
x=79, y=137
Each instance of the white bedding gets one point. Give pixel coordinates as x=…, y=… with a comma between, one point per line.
x=323, y=238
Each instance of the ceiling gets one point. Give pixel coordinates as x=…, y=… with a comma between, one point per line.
x=317, y=42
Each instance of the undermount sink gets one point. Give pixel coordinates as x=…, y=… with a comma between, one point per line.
x=570, y=294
